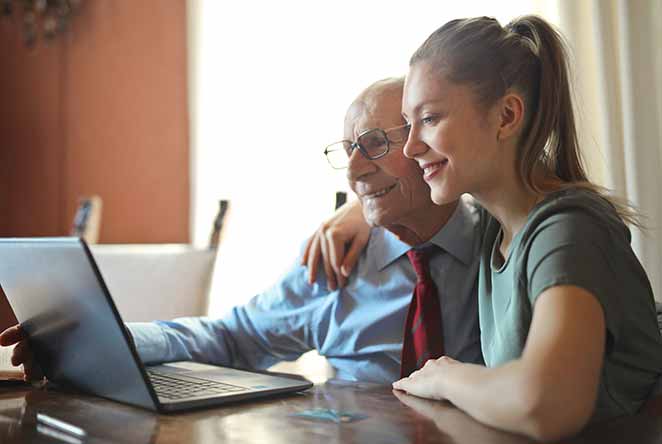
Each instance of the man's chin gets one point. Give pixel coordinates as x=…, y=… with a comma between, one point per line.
x=378, y=219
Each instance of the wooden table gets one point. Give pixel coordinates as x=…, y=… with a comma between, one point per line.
x=391, y=419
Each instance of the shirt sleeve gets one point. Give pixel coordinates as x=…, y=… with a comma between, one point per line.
x=572, y=248
x=275, y=325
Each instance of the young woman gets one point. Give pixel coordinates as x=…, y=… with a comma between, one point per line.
x=568, y=324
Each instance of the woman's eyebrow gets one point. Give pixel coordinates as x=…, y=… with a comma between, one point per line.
x=418, y=107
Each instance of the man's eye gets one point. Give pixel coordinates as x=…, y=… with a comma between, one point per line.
x=428, y=120
x=372, y=142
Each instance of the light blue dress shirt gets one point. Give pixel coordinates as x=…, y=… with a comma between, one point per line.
x=357, y=328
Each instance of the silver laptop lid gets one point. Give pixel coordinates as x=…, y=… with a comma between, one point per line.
x=75, y=330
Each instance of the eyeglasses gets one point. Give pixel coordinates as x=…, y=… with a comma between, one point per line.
x=371, y=143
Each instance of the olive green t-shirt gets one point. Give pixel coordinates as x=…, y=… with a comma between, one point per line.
x=574, y=237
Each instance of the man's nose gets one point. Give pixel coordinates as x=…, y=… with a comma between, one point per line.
x=358, y=165
x=414, y=146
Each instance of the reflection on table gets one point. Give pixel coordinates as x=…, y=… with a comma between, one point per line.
x=389, y=418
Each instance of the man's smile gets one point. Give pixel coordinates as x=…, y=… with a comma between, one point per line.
x=378, y=193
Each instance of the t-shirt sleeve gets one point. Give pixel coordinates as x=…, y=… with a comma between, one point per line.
x=572, y=248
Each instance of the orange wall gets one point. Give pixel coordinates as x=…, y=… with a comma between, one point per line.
x=30, y=136
x=100, y=110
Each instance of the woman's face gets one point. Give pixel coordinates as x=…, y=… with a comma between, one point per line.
x=453, y=139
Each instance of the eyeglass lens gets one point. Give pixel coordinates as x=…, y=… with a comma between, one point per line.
x=373, y=143
x=338, y=154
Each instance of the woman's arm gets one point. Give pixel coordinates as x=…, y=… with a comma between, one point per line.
x=338, y=243
x=549, y=392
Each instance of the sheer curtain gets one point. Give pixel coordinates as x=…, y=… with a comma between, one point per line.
x=618, y=67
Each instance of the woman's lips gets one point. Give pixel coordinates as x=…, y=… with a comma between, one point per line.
x=431, y=169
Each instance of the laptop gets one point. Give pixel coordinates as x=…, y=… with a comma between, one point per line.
x=79, y=340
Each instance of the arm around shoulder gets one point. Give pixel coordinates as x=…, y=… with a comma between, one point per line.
x=337, y=244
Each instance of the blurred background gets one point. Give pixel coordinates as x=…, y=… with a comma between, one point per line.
x=163, y=107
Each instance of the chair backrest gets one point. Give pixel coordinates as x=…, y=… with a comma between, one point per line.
x=151, y=282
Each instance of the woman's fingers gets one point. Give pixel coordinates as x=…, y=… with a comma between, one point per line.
x=346, y=226
x=337, y=245
x=320, y=249
x=306, y=250
x=424, y=382
x=331, y=283
x=313, y=257
x=402, y=384
x=351, y=258
x=336, y=248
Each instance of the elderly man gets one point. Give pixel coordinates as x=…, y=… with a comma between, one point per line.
x=358, y=327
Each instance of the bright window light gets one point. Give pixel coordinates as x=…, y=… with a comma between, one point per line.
x=270, y=84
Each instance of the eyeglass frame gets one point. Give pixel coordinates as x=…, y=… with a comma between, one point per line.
x=362, y=150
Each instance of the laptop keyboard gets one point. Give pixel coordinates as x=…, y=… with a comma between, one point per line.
x=173, y=386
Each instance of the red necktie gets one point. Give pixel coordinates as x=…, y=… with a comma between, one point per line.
x=423, y=334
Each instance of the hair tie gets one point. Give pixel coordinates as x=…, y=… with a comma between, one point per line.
x=524, y=33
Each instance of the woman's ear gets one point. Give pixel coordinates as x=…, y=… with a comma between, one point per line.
x=511, y=116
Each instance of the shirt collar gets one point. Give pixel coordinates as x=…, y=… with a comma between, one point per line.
x=455, y=238
x=385, y=247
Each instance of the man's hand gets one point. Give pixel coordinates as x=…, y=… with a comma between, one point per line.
x=338, y=243
x=22, y=354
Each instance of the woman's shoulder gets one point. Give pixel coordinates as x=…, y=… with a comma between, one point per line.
x=580, y=211
x=576, y=196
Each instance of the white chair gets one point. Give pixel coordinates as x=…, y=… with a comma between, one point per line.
x=151, y=281
x=156, y=281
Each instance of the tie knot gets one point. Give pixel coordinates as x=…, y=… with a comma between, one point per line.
x=419, y=258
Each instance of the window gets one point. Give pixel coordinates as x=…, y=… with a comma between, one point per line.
x=270, y=84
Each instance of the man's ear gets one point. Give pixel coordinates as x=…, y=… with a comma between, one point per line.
x=511, y=115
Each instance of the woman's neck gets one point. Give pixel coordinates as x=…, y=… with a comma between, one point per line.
x=510, y=202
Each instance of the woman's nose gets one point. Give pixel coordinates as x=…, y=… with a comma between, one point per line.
x=414, y=146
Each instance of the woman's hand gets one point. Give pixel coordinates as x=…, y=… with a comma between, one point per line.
x=22, y=354
x=338, y=243
x=428, y=381
x=568, y=324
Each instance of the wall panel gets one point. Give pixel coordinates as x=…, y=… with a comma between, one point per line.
x=100, y=110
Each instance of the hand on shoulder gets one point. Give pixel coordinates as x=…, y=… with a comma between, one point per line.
x=337, y=244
